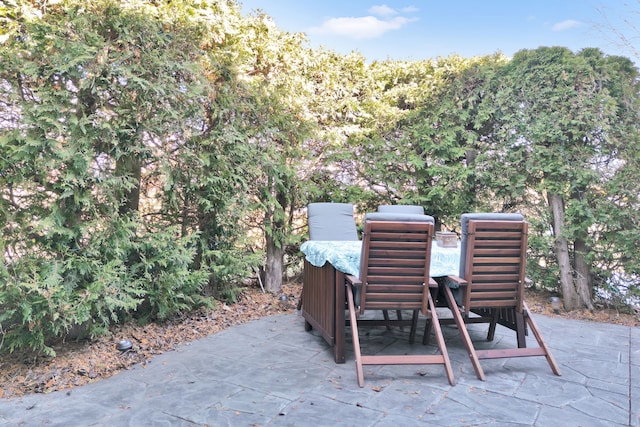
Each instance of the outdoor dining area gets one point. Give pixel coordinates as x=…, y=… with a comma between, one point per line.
x=401, y=272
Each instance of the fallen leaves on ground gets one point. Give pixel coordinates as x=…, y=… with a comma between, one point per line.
x=538, y=302
x=77, y=364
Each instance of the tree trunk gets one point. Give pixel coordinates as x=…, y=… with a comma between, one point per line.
x=274, y=226
x=583, y=274
x=273, y=267
x=129, y=166
x=570, y=298
x=207, y=227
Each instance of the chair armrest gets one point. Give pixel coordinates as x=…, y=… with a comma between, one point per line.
x=353, y=280
x=356, y=290
x=432, y=283
x=455, y=289
x=456, y=282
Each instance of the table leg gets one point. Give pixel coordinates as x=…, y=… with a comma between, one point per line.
x=340, y=321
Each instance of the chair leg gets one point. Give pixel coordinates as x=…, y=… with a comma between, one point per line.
x=414, y=327
x=521, y=335
x=441, y=359
x=440, y=340
x=536, y=333
x=427, y=332
x=428, y=324
x=466, y=339
x=492, y=325
x=385, y=314
x=387, y=319
x=399, y=317
x=355, y=338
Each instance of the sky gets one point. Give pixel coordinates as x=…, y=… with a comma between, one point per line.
x=427, y=29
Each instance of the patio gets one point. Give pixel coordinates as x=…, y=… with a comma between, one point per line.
x=272, y=372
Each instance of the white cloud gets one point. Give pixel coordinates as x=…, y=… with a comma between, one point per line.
x=410, y=9
x=364, y=27
x=382, y=10
x=566, y=25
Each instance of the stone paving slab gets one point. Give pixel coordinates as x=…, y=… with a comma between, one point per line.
x=270, y=372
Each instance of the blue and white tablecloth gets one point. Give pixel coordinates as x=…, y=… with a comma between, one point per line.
x=345, y=256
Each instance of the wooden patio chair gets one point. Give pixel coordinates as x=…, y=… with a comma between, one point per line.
x=394, y=275
x=490, y=286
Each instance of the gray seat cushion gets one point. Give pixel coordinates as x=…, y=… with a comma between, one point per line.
x=410, y=209
x=331, y=221
x=398, y=216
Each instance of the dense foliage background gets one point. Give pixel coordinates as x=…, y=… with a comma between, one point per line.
x=154, y=155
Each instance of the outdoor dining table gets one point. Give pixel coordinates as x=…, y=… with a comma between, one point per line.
x=323, y=294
